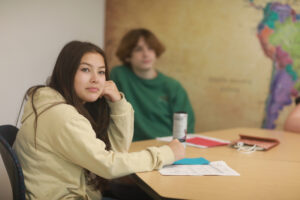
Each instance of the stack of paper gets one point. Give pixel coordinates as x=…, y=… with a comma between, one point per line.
x=217, y=168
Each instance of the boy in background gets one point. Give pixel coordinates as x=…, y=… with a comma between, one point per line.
x=153, y=95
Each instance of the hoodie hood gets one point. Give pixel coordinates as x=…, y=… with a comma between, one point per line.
x=43, y=99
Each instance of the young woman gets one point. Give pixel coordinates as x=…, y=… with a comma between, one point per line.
x=154, y=96
x=76, y=131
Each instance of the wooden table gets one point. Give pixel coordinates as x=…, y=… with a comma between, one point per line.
x=273, y=174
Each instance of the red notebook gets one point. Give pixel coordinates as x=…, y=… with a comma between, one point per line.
x=206, y=142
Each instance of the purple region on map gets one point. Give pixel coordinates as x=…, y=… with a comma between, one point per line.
x=278, y=33
x=280, y=88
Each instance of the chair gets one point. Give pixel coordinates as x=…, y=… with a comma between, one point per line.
x=7, y=137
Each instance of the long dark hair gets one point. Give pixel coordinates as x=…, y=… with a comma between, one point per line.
x=62, y=80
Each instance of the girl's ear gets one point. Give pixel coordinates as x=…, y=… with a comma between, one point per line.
x=127, y=59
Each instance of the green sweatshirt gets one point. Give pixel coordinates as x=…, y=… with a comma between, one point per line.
x=154, y=101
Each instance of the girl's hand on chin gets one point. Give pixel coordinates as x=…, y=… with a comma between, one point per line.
x=111, y=92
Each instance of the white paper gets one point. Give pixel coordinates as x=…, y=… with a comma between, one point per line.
x=216, y=168
x=169, y=139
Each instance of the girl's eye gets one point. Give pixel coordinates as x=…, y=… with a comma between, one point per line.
x=101, y=72
x=84, y=69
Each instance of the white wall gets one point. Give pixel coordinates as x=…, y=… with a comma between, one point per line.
x=31, y=35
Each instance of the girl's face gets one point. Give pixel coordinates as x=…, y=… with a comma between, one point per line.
x=90, y=77
x=142, y=57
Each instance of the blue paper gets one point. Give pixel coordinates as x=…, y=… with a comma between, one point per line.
x=192, y=161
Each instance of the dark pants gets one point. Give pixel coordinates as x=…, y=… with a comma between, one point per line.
x=125, y=189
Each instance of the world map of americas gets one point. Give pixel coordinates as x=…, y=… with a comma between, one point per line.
x=279, y=36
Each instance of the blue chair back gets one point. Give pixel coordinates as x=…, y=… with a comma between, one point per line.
x=8, y=135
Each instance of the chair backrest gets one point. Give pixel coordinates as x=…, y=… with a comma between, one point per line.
x=7, y=137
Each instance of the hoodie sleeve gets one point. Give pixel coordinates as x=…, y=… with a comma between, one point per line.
x=74, y=139
x=120, y=129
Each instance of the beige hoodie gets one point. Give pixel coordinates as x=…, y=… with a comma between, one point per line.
x=66, y=144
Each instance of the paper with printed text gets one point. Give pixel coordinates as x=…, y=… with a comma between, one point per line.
x=216, y=168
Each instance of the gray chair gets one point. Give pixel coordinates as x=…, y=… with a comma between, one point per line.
x=7, y=137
